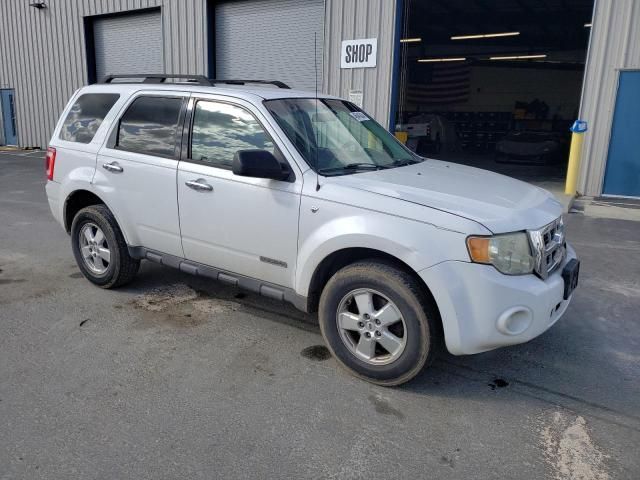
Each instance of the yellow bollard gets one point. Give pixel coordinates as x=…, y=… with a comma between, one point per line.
x=402, y=136
x=578, y=129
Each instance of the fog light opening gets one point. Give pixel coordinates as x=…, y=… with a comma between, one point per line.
x=514, y=321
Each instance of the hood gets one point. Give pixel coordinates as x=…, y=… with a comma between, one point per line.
x=500, y=203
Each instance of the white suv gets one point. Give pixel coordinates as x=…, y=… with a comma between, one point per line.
x=308, y=200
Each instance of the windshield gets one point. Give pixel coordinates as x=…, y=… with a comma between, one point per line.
x=336, y=138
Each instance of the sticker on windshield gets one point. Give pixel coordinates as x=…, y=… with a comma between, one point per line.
x=359, y=116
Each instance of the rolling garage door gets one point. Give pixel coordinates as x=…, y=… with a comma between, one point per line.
x=269, y=39
x=129, y=43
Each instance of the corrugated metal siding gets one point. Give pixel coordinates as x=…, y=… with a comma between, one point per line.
x=42, y=52
x=615, y=45
x=2, y=142
x=353, y=19
x=139, y=35
x=270, y=39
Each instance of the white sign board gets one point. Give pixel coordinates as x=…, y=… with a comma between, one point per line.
x=355, y=97
x=359, y=53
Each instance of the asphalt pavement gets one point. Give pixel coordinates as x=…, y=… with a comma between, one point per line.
x=176, y=376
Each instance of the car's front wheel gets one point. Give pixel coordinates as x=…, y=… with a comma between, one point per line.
x=100, y=249
x=378, y=322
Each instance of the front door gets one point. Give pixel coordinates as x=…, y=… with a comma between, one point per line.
x=8, y=107
x=244, y=225
x=622, y=177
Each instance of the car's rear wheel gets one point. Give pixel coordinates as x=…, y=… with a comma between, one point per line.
x=378, y=322
x=100, y=249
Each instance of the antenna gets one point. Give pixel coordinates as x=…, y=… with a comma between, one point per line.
x=315, y=64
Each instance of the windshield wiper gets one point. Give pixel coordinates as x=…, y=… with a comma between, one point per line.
x=352, y=166
x=398, y=162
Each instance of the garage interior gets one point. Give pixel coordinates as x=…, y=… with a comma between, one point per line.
x=493, y=84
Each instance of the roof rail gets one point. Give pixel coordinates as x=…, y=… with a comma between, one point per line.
x=277, y=83
x=199, y=79
x=158, y=77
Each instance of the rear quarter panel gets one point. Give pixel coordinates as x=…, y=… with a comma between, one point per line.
x=76, y=162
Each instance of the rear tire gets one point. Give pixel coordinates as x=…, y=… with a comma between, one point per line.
x=359, y=306
x=100, y=249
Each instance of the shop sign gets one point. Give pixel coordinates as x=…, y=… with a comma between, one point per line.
x=359, y=53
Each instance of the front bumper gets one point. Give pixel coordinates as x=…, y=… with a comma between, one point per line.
x=483, y=309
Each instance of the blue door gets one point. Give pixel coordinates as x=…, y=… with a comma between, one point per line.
x=7, y=105
x=622, y=176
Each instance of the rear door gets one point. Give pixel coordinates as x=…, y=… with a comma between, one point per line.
x=244, y=225
x=136, y=170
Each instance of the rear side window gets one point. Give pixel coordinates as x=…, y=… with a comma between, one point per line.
x=150, y=126
x=86, y=115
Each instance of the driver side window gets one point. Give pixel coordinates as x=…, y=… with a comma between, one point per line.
x=220, y=130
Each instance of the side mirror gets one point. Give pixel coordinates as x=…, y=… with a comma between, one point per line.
x=258, y=164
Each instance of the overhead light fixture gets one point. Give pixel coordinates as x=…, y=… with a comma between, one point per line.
x=587, y=25
x=517, y=57
x=410, y=40
x=448, y=59
x=485, y=35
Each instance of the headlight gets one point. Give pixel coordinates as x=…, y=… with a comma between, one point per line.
x=509, y=253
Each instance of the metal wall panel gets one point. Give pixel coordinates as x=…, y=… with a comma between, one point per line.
x=43, y=53
x=270, y=39
x=130, y=43
x=615, y=45
x=355, y=19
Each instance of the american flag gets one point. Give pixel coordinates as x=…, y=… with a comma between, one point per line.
x=449, y=83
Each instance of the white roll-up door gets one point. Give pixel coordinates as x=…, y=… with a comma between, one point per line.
x=130, y=43
x=270, y=40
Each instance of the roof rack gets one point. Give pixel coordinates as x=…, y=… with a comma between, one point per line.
x=198, y=79
x=277, y=83
x=157, y=78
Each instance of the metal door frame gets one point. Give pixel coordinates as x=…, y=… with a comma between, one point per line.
x=619, y=71
x=13, y=119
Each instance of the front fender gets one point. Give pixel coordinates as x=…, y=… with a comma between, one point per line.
x=335, y=227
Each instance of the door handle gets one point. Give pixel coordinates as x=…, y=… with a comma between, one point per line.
x=112, y=167
x=199, y=185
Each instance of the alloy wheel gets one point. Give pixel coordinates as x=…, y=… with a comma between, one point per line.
x=371, y=326
x=94, y=248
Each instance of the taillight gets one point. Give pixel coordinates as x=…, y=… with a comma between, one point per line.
x=50, y=162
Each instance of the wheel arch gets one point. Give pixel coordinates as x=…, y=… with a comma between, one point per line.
x=76, y=201
x=338, y=259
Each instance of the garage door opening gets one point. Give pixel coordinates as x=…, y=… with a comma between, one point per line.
x=269, y=39
x=124, y=43
x=493, y=84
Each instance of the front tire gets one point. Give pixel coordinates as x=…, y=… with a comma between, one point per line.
x=378, y=322
x=100, y=249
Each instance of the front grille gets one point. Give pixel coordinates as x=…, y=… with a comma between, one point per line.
x=549, y=247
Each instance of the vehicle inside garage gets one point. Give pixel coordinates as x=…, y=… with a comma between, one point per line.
x=493, y=84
